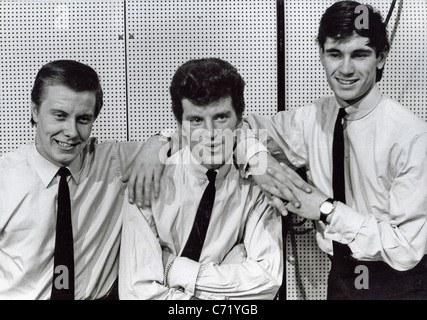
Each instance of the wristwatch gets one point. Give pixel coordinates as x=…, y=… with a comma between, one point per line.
x=326, y=208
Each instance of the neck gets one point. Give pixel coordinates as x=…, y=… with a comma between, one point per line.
x=212, y=167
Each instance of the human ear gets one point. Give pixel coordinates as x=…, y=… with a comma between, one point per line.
x=381, y=59
x=322, y=55
x=34, y=112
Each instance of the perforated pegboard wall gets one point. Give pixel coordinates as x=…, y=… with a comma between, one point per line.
x=165, y=34
x=306, y=265
x=405, y=79
x=36, y=32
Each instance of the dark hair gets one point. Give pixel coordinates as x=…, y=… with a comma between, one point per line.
x=71, y=74
x=338, y=22
x=203, y=81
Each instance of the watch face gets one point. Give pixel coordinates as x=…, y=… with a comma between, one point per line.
x=326, y=207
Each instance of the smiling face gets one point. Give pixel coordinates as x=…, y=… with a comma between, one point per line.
x=350, y=66
x=211, y=128
x=64, y=122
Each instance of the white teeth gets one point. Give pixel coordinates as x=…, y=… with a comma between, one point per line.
x=63, y=144
x=346, y=81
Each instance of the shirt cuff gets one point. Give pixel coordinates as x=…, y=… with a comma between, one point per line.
x=183, y=274
x=246, y=150
x=345, y=224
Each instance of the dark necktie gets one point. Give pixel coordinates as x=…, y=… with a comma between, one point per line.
x=63, y=268
x=338, y=177
x=194, y=244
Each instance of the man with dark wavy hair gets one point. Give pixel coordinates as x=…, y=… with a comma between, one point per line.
x=239, y=246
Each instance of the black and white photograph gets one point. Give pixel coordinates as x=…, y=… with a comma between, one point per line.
x=231, y=151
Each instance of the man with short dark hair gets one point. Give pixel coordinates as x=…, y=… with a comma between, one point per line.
x=61, y=195
x=366, y=157
x=178, y=250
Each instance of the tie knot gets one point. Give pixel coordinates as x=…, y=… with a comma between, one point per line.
x=341, y=113
x=211, y=175
x=63, y=172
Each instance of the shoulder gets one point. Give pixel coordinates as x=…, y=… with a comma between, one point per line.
x=250, y=191
x=399, y=119
x=394, y=109
x=402, y=131
x=14, y=159
x=17, y=170
x=323, y=103
x=174, y=173
x=108, y=148
x=317, y=108
x=94, y=145
x=321, y=107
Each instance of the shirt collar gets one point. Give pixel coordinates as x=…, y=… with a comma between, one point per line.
x=198, y=170
x=365, y=106
x=47, y=170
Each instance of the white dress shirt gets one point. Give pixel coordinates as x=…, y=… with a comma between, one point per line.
x=385, y=215
x=242, y=253
x=28, y=203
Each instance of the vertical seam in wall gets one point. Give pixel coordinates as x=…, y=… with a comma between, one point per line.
x=126, y=71
x=280, y=16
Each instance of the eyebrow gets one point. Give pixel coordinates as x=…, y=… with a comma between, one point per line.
x=91, y=115
x=57, y=110
x=220, y=113
x=366, y=51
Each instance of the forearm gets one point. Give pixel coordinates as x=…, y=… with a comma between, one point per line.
x=248, y=280
x=144, y=176
x=245, y=280
x=282, y=134
x=374, y=238
x=150, y=290
x=252, y=269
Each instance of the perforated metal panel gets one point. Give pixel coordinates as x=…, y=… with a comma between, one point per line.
x=405, y=75
x=34, y=33
x=165, y=34
x=405, y=79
